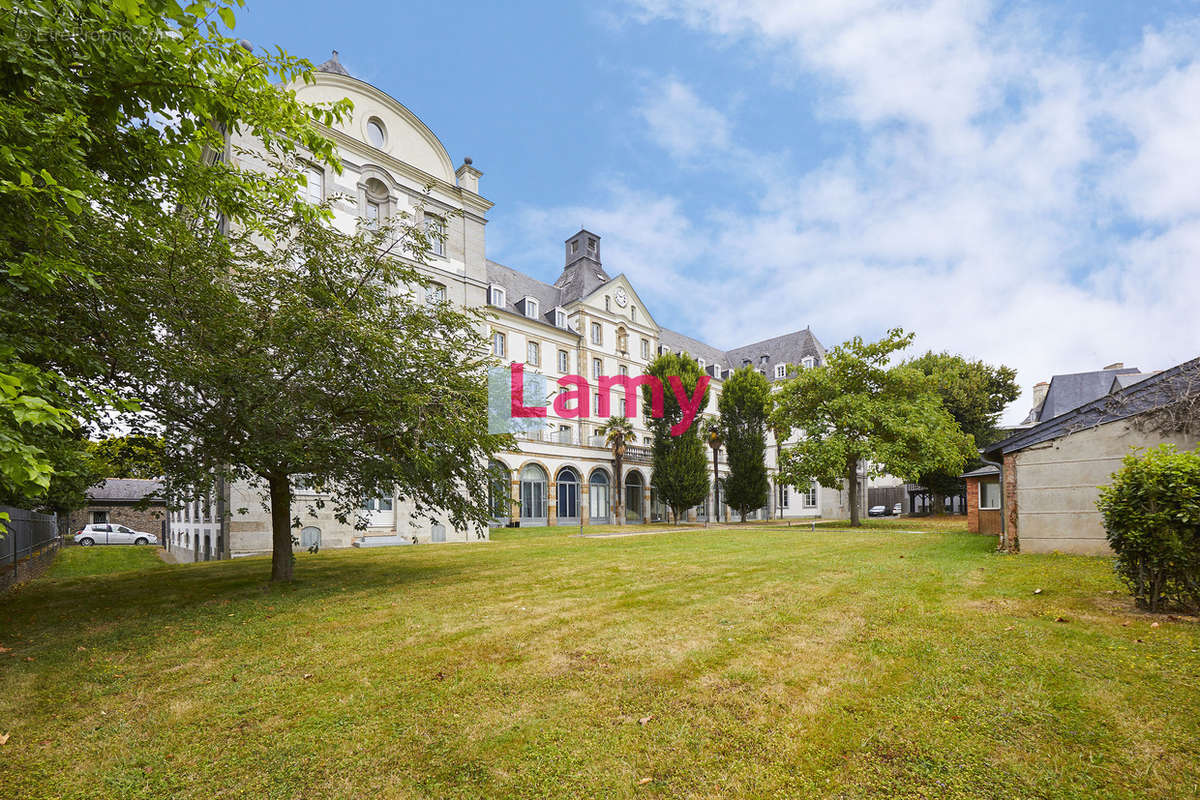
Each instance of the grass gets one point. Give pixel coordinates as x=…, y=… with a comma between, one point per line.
x=757, y=662
x=77, y=562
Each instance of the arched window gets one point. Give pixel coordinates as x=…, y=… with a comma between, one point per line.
x=598, y=497
x=568, y=494
x=533, y=495
x=498, y=492
x=633, y=497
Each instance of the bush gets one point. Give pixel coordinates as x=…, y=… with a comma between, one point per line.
x=1152, y=515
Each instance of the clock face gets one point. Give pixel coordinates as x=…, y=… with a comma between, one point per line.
x=621, y=298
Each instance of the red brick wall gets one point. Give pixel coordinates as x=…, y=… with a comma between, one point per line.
x=1011, y=540
x=973, y=505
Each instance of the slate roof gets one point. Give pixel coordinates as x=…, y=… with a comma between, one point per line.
x=518, y=286
x=584, y=276
x=790, y=348
x=125, y=490
x=983, y=472
x=334, y=66
x=676, y=342
x=1153, y=391
x=1068, y=392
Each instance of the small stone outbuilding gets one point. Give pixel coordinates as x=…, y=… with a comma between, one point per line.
x=132, y=502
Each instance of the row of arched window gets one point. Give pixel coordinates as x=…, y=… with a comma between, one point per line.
x=535, y=491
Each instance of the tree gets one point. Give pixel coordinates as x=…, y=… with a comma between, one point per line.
x=715, y=439
x=975, y=394
x=743, y=406
x=134, y=455
x=617, y=433
x=680, y=465
x=111, y=115
x=860, y=416
x=308, y=351
x=1152, y=516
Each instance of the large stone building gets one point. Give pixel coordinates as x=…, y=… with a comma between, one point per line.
x=585, y=322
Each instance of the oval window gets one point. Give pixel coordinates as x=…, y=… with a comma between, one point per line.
x=375, y=133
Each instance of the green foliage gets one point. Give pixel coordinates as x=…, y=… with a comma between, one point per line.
x=112, y=116
x=680, y=462
x=131, y=456
x=1152, y=515
x=743, y=405
x=308, y=351
x=975, y=394
x=617, y=433
x=858, y=414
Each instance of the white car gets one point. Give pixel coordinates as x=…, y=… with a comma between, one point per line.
x=97, y=533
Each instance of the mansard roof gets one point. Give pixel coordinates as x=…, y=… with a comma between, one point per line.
x=789, y=348
x=1151, y=393
x=518, y=286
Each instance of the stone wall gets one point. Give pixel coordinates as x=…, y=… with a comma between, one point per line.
x=149, y=520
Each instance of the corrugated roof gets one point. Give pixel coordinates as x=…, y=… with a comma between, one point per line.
x=982, y=472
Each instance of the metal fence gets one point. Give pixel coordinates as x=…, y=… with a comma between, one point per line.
x=26, y=533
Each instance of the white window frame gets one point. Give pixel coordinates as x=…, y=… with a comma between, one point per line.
x=499, y=344
x=532, y=307
x=533, y=353
x=597, y=333
x=810, y=496
x=781, y=370
x=435, y=293
x=560, y=318
x=597, y=368
x=314, y=175
x=496, y=296
x=435, y=231
x=996, y=507
x=564, y=361
x=646, y=348
x=808, y=362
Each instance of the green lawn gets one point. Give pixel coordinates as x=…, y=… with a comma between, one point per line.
x=756, y=662
x=76, y=562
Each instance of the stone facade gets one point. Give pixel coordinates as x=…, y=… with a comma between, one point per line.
x=149, y=520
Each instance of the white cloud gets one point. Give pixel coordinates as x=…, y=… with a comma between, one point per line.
x=992, y=203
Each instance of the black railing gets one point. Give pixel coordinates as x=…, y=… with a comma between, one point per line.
x=25, y=534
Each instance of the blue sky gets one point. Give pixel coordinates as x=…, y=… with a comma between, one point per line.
x=1018, y=182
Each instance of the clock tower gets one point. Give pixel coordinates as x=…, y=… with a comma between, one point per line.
x=583, y=272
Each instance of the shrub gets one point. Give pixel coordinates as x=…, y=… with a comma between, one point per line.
x=1152, y=515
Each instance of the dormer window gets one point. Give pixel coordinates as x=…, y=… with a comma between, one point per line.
x=745, y=362
x=781, y=370
x=560, y=318
x=763, y=359
x=496, y=296
x=700, y=363
x=531, y=308
x=808, y=361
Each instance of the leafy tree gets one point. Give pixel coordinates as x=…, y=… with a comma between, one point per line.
x=308, y=351
x=680, y=464
x=617, y=433
x=975, y=394
x=715, y=438
x=743, y=405
x=858, y=414
x=134, y=455
x=111, y=118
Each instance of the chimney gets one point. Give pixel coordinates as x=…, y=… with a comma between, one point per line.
x=468, y=176
x=1117, y=365
x=1039, y=393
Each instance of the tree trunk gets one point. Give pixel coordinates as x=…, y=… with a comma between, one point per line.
x=281, y=528
x=620, y=490
x=937, y=504
x=852, y=477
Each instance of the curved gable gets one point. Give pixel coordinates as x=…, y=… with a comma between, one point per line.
x=407, y=138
